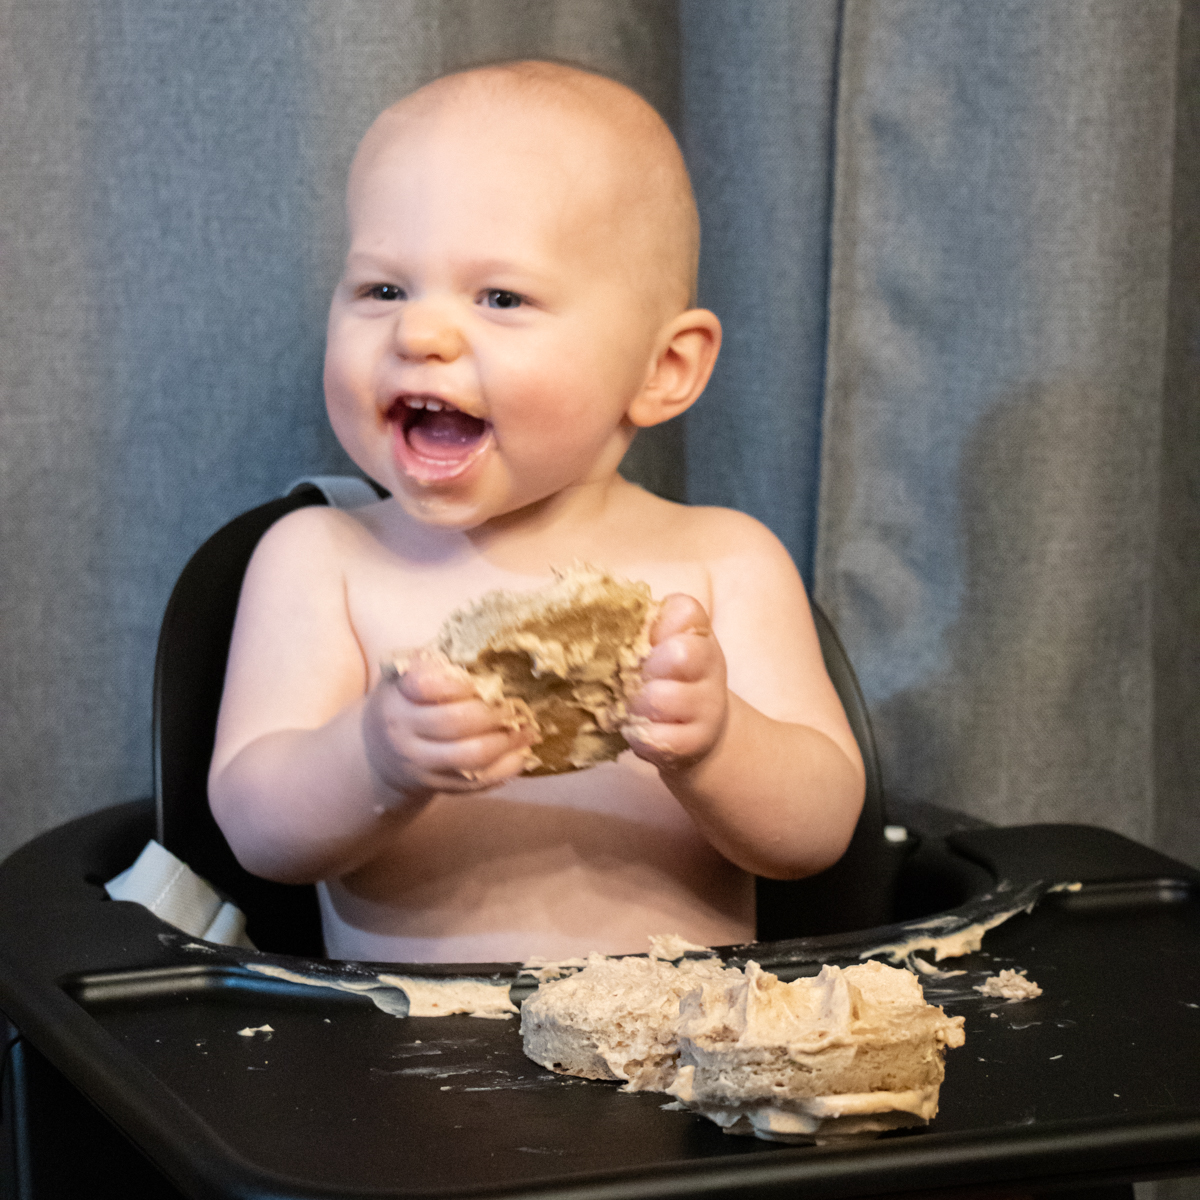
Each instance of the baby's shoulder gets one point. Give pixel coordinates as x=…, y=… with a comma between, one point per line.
x=314, y=538
x=713, y=535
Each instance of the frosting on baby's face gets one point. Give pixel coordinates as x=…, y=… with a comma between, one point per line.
x=506, y=295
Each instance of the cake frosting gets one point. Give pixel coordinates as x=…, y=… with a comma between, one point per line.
x=409, y=996
x=615, y=1019
x=852, y=1051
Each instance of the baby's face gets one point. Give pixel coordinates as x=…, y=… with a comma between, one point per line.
x=488, y=333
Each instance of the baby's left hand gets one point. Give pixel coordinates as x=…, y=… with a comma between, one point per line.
x=680, y=712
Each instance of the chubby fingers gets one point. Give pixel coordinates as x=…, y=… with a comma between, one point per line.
x=446, y=706
x=679, y=613
x=683, y=646
x=434, y=733
x=427, y=680
x=680, y=710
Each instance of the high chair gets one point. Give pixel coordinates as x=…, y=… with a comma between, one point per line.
x=137, y=1063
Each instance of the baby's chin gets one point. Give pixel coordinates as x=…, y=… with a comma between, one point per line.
x=432, y=506
x=436, y=509
x=439, y=509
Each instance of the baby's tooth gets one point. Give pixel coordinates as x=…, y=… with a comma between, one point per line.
x=414, y=403
x=434, y=405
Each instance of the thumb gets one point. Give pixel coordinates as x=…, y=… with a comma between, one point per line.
x=680, y=613
x=428, y=678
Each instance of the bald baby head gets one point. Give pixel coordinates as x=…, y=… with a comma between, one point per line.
x=620, y=162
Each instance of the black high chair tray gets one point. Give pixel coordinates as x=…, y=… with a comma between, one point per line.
x=1097, y=1080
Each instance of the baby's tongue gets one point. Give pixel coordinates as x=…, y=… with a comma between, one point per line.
x=448, y=434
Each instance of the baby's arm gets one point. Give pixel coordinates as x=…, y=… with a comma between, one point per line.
x=313, y=762
x=764, y=760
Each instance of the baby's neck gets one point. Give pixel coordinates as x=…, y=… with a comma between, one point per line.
x=575, y=523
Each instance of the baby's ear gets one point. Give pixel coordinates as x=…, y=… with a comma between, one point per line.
x=685, y=354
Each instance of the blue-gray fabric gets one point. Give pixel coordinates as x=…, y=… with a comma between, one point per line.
x=993, y=422
x=1176, y=617
x=758, y=91
x=954, y=249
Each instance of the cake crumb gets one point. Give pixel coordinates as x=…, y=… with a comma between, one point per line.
x=1009, y=985
x=670, y=947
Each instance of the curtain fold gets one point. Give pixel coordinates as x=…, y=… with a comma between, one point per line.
x=1177, y=563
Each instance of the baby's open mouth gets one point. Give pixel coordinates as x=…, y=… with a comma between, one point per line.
x=434, y=440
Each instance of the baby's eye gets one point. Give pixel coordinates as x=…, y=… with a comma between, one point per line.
x=384, y=291
x=499, y=298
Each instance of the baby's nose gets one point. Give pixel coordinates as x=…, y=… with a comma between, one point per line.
x=425, y=331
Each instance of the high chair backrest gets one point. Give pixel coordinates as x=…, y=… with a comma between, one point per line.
x=189, y=676
x=857, y=891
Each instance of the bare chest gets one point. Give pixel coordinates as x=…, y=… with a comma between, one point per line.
x=395, y=604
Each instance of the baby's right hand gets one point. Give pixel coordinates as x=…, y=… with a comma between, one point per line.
x=428, y=731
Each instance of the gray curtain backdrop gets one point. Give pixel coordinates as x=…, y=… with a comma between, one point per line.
x=1007, y=468
x=954, y=245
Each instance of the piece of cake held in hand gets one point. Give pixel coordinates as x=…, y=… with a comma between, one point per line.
x=563, y=658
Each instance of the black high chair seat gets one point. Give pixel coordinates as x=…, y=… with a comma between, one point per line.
x=1089, y=1086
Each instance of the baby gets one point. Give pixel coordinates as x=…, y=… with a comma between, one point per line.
x=516, y=303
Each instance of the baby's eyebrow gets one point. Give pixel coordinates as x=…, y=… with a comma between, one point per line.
x=484, y=266
x=365, y=260
x=484, y=271
x=507, y=271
